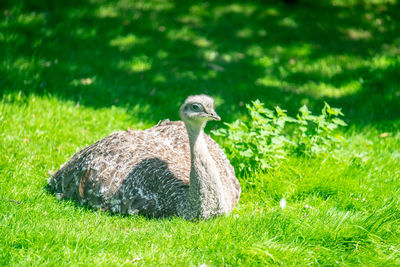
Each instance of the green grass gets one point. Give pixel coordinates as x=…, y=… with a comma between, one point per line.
x=73, y=72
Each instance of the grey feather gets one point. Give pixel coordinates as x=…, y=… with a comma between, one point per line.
x=150, y=172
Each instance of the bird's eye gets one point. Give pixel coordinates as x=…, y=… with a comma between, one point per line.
x=196, y=107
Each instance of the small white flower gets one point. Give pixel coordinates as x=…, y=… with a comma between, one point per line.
x=282, y=203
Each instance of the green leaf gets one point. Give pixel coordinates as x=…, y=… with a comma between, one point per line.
x=281, y=123
x=264, y=164
x=280, y=111
x=331, y=126
x=304, y=110
x=339, y=122
x=220, y=132
x=263, y=139
x=257, y=104
x=303, y=129
x=248, y=153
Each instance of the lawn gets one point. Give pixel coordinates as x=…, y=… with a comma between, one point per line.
x=72, y=72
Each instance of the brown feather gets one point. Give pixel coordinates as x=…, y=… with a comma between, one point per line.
x=145, y=172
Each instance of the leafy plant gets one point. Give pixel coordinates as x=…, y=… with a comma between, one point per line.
x=314, y=134
x=265, y=139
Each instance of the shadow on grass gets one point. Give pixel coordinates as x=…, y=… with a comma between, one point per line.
x=152, y=54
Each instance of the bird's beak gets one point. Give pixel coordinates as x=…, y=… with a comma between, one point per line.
x=214, y=116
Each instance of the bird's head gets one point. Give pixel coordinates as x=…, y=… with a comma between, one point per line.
x=197, y=110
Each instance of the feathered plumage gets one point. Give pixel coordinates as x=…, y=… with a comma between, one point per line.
x=143, y=172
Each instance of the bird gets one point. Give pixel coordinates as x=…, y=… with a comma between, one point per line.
x=173, y=169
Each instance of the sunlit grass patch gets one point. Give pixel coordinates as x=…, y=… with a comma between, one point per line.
x=107, y=11
x=184, y=33
x=83, y=81
x=127, y=42
x=333, y=208
x=136, y=64
x=357, y=34
x=288, y=22
x=350, y=3
x=201, y=42
x=245, y=33
x=84, y=33
x=74, y=72
x=321, y=89
x=246, y=9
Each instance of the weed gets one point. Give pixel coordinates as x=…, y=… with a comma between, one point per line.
x=267, y=137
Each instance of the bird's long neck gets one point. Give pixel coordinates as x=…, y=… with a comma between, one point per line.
x=206, y=195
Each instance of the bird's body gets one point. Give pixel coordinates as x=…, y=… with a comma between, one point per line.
x=158, y=172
